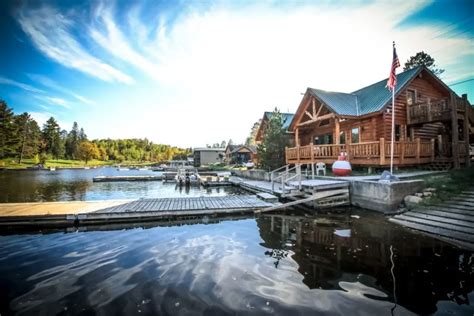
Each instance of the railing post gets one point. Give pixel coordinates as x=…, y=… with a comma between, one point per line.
x=286, y=155
x=402, y=151
x=312, y=153
x=466, y=130
x=418, y=148
x=299, y=172
x=432, y=150
x=298, y=154
x=382, y=151
x=454, y=131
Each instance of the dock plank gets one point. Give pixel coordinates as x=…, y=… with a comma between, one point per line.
x=463, y=229
x=436, y=231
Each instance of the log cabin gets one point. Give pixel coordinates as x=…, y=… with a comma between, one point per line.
x=431, y=124
x=238, y=154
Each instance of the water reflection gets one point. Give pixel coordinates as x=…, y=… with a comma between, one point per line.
x=425, y=271
x=279, y=264
x=70, y=185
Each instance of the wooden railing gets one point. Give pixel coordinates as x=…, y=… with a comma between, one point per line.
x=428, y=112
x=368, y=153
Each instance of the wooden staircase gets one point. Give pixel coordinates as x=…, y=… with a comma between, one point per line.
x=440, y=164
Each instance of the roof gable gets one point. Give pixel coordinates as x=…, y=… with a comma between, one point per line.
x=287, y=118
x=365, y=100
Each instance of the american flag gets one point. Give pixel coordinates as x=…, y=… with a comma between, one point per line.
x=392, y=79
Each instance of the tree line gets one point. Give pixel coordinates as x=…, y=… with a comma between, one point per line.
x=22, y=138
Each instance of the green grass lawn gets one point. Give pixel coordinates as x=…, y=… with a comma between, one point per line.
x=449, y=184
x=60, y=163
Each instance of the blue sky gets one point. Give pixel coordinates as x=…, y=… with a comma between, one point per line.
x=190, y=73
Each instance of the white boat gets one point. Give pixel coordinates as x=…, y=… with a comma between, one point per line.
x=187, y=176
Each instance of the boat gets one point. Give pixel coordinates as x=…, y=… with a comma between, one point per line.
x=52, y=168
x=341, y=167
x=187, y=176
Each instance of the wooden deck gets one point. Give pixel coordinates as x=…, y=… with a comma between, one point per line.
x=452, y=221
x=88, y=212
x=365, y=154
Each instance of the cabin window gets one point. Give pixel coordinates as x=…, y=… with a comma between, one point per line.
x=411, y=97
x=355, y=135
x=342, y=138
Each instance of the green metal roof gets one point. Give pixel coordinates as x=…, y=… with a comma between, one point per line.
x=366, y=100
x=287, y=118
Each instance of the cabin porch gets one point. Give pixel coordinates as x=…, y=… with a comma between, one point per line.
x=405, y=153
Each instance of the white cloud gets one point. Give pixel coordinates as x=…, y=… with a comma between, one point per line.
x=112, y=40
x=47, y=82
x=59, y=101
x=213, y=72
x=49, y=31
x=20, y=85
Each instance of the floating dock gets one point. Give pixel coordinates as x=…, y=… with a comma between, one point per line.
x=90, y=212
x=126, y=178
x=452, y=221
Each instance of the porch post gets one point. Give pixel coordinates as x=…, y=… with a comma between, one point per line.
x=297, y=137
x=336, y=131
x=382, y=151
x=466, y=130
x=432, y=150
x=418, y=148
x=454, y=131
x=402, y=152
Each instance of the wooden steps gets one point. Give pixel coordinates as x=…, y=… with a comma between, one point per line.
x=452, y=221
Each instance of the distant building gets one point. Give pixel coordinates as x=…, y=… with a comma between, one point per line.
x=207, y=156
x=238, y=154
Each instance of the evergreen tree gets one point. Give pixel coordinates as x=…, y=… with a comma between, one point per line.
x=28, y=136
x=52, y=138
x=272, y=149
x=8, y=131
x=422, y=58
x=82, y=135
x=72, y=142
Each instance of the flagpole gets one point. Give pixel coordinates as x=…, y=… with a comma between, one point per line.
x=393, y=130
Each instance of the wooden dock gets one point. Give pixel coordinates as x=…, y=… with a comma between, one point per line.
x=126, y=178
x=89, y=212
x=309, y=190
x=452, y=221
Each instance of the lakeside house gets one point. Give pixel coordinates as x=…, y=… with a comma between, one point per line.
x=431, y=124
x=239, y=154
x=208, y=156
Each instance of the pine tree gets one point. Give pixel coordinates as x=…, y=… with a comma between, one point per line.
x=72, y=142
x=8, y=131
x=52, y=138
x=272, y=149
x=422, y=58
x=28, y=136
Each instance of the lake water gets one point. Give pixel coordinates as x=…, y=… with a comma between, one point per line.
x=273, y=264
x=71, y=184
x=347, y=262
